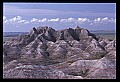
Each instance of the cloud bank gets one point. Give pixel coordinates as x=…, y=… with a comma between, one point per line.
x=19, y=20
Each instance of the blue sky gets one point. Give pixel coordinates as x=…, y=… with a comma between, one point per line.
x=22, y=17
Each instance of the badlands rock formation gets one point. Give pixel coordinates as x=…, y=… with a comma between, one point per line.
x=45, y=53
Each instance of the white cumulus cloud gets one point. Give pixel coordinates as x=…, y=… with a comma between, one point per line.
x=18, y=20
x=97, y=20
x=63, y=20
x=104, y=20
x=68, y=20
x=71, y=19
x=34, y=20
x=4, y=18
x=14, y=21
x=43, y=20
x=54, y=20
x=83, y=20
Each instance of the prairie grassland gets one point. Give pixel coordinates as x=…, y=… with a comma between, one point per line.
x=107, y=36
x=8, y=38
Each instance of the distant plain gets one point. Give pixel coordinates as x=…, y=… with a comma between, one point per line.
x=107, y=35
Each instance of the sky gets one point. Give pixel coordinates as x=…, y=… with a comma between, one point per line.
x=22, y=17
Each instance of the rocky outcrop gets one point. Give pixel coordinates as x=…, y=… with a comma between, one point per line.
x=99, y=69
x=111, y=55
x=36, y=72
x=97, y=50
x=77, y=44
x=111, y=46
x=45, y=53
x=103, y=69
x=11, y=51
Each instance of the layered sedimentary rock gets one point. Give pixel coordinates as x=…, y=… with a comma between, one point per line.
x=45, y=53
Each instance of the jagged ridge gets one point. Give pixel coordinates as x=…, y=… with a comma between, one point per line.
x=61, y=50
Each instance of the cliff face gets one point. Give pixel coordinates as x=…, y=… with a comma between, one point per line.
x=69, y=53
